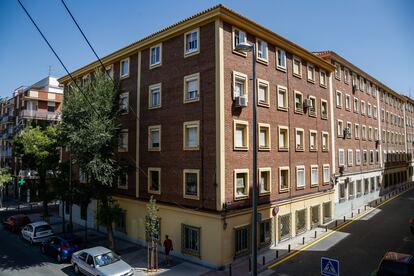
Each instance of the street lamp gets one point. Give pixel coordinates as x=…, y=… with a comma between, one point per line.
x=246, y=47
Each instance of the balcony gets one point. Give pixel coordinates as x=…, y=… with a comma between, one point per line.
x=40, y=115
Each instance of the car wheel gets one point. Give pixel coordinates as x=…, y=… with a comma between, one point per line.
x=43, y=250
x=59, y=258
x=76, y=268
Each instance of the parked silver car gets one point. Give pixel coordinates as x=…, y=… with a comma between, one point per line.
x=100, y=261
x=37, y=232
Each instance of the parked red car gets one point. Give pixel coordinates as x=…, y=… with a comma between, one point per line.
x=16, y=222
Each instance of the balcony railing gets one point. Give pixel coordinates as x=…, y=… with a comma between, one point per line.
x=41, y=115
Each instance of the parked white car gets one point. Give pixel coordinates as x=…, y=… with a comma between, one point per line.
x=37, y=232
x=100, y=261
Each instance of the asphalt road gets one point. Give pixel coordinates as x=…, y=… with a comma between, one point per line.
x=360, y=246
x=18, y=257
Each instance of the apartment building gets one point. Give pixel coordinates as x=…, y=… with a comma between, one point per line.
x=369, y=135
x=409, y=136
x=37, y=104
x=189, y=135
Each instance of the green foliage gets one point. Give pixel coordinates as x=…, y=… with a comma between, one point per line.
x=152, y=220
x=91, y=129
x=5, y=177
x=109, y=212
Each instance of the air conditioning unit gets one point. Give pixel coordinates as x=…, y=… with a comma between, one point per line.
x=307, y=103
x=354, y=88
x=240, y=101
x=341, y=169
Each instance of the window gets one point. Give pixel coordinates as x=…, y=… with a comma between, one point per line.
x=356, y=105
x=280, y=59
x=239, y=36
x=191, y=135
x=242, y=240
x=51, y=106
x=348, y=102
x=124, y=71
x=241, y=184
x=326, y=174
x=313, y=140
x=123, y=141
x=264, y=136
x=324, y=109
x=314, y=175
x=341, y=157
x=262, y=54
x=325, y=141
x=154, y=96
x=351, y=190
x=124, y=102
x=348, y=130
x=282, y=98
x=346, y=75
x=359, y=188
x=263, y=93
x=190, y=240
x=83, y=178
x=154, y=180
x=370, y=133
x=362, y=83
x=109, y=70
x=297, y=67
x=241, y=137
x=283, y=138
x=356, y=132
x=369, y=110
x=338, y=99
x=298, y=102
x=322, y=78
x=192, y=88
x=284, y=182
x=265, y=178
x=239, y=84
x=265, y=237
x=191, y=180
x=191, y=42
x=364, y=133
x=342, y=192
x=350, y=157
x=155, y=56
x=340, y=128
x=312, y=110
x=371, y=156
x=154, y=138
x=366, y=186
x=362, y=107
x=311, y=72
x=365, y=157
x=337, y=71
x=299, y=141
x=123, y=181
x=300, y=176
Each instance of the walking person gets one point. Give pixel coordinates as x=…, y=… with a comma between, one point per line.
x=168, y=247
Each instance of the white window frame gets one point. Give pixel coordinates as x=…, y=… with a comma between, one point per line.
x=312, y=71
x=326, y=167
x=268, y=137
x=284, y=168
x=245, y=135
x=192, y=171
x=298, y=168
x=156, y=63
x=286, y=142
x=238, y=75
x=265, y=83
x=266, y=51
x=284, y=107
x=123, y=76
x=315, y=146
x=192, y=52
x=246, y=188
x=350, y=160
x=187, y=79
x=150, y=89
x=299, y=74
x=280, y=67
x=186, y=126
x=313, y=167
x=269, y=180
x=150, y=129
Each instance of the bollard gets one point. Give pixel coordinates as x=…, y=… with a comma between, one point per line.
x=315, y=234
x=250, y=264
x=344, y=218
x=352, y=214
x=359, y=211
x=303, y=240
x=264, y=260
x=365, y=207
x=229, y=269
x=326, y=228
x=289, y=248
x=336, y=223
x=277, y=254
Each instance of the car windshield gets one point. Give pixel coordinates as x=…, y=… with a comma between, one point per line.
x=106, y=259
x=43, y=228
x=72, y=242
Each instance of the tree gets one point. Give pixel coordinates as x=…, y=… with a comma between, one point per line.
x=91, y=129
x=5, y=177
x=152, y=232
x=40, y=150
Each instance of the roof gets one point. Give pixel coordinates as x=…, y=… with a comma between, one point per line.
x=39, y=223
x=203, y=17
x=397, y=257
x=98, y=250
x=340, y=59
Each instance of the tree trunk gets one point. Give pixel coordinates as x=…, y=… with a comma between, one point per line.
x=1, y=196
x=110, y=236
x=43, y=194
x=63, y=217
x=86, y=225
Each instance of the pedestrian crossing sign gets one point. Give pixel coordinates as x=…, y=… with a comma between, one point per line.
x=329, y=267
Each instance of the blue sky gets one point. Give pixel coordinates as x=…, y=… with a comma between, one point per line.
x=376, y=35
